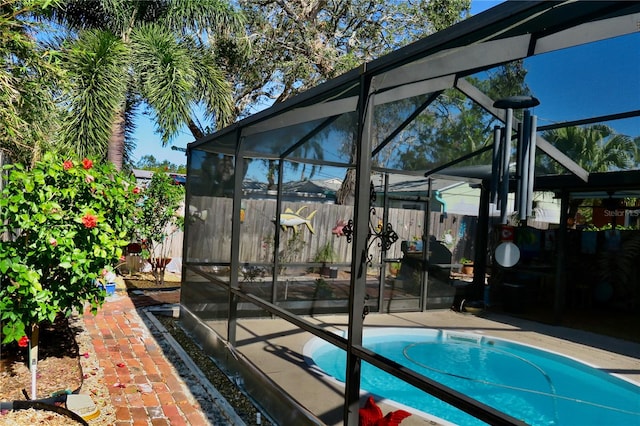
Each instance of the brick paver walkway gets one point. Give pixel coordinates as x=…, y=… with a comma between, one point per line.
x=144, y=386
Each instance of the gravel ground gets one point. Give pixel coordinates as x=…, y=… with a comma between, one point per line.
x=223, y=386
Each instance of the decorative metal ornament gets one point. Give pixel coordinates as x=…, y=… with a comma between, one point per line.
x=385, y=236
x=347, y=230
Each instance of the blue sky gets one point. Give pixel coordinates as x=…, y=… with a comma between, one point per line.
x=149, y=142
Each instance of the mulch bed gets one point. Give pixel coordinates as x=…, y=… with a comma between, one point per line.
x=58, y=365
x=66, y=363
x=146, y=282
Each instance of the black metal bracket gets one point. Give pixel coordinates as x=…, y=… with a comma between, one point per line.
x=365, y=310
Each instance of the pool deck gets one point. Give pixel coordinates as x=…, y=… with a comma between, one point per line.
x=275, y=347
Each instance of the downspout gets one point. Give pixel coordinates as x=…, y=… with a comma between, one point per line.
x=438, y=197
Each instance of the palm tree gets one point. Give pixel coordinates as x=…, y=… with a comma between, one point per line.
x=596, y=148
x=156, y=57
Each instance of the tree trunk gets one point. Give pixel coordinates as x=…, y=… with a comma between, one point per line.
x=194, y=129
x=271, y=183
x=115, y=149
x=347, y=192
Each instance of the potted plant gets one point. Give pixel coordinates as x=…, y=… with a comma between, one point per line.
x=467, y=266
x=326, y=255
x=64, y=223
x=157, y=220
x=394, y=268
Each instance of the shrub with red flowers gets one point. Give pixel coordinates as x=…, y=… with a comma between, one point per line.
x=64, y=222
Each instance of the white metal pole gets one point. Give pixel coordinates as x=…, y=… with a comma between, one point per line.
x=532, y=163
x=523, y=184
x=496, y=164
x=506, y=158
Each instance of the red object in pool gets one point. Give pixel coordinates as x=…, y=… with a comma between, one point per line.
x=371, y=415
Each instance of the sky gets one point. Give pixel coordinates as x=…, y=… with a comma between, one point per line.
x=150, y=143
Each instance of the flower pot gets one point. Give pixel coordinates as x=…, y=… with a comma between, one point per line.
x=394, y=269
x=333, y=272
x=110, y=288
x=160, y=262
x=325, y=271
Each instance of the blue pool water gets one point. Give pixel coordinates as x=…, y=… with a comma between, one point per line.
x=539, y=387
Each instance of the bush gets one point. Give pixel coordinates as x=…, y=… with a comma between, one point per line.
x=158, y=218
x=64, y=223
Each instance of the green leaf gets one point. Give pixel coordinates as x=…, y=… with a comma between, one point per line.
x=5, y=264
x=29, y=185
x=40, y=218
x=65, y=265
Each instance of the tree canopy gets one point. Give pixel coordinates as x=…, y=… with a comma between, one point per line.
x=297, y=45
x=455, y=125
x=149, y=162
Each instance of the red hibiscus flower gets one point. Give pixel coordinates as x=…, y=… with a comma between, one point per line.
x=89, y=221
x=53, y=242
x=136, y=190
x=23, y=342
x=67, y=165
x=87, y=164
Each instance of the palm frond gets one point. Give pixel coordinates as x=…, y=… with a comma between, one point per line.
x=165, y=76
x=97, y=65
x=214, y=91
x=130, y=115
x=165, y=47
x=115, y=16
x=28, y=83
x=217, y=18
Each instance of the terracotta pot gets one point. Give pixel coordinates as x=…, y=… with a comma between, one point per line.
x=160, y=262
x=467, y=269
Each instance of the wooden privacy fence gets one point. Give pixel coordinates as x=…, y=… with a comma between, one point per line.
x=172, y=245
x=210, y=239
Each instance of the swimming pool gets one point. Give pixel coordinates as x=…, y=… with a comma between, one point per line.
x=539, y=387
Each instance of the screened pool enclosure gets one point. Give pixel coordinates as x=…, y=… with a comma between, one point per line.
x=367, y=194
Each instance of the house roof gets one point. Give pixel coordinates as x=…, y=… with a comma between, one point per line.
x=142, y=174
